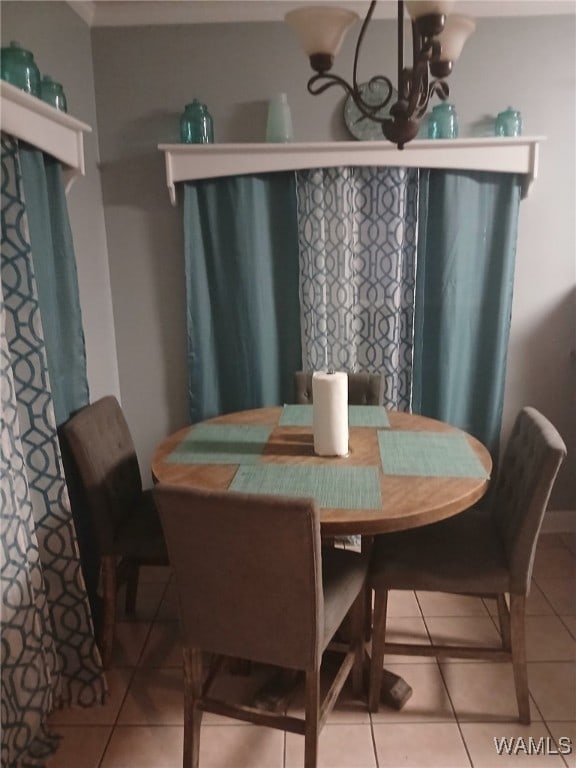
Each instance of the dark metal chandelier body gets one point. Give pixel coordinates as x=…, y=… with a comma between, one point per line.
x=416, y=84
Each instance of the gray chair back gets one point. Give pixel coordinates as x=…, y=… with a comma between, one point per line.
x=524, y=482
x=363, y=388
x=248, y=573
x=102, y=447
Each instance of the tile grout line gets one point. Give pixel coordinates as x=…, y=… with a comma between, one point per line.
x=532, y=699
x=439, y=668
x=133, y=672
x=558, y=616
x=377, y=761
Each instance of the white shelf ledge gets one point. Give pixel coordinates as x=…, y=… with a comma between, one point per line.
x=32, y=120
x=188, y=162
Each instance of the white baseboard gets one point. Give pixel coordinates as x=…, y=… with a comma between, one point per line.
x=559, y=521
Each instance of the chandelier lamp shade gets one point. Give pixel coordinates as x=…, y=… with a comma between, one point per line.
x=438, y=37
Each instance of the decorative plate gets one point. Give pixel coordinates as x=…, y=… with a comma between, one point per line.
x=360, y=126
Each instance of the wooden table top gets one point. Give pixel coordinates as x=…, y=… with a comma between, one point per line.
x=407, y=501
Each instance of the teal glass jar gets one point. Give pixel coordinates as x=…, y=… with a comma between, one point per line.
x=508, y=123
x=19, y=68
x=196, y=124
x=446, y=121
x=432, y=126
x=52, y=93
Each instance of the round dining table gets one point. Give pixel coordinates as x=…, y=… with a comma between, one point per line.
x=401, y=471
x=212, y=453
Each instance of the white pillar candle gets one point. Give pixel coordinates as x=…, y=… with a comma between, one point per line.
x=330, y=413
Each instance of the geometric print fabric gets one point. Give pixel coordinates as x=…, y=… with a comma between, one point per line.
x=49, y=655
x=357, y=242
x=30, y=668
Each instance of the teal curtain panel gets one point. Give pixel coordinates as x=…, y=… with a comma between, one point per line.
x=57, y=280
x=241, y=260
x=466, y=255
x=49, y=654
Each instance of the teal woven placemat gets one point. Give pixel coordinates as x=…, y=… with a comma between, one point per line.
x=367, y=416
x=358, y=416
x=221, y=444
x=429, y=454
x=336, y=487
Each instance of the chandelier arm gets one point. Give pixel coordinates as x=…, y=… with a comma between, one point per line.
x=323, y=80
x=370, y=108
x=359, y=43
x=424, y=93
x=373, y=81
x=436, y=88
x=439, y=88
x=400, y=35
x=416, y=88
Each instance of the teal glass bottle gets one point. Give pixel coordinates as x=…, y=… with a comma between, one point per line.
x=196, y=124
x=508, y=123
x=53, y=93
x=446, y=121
x=432, y=126
x=19, y=68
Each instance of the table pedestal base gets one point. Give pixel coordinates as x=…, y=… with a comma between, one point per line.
x=279, y=689
x=395, y=691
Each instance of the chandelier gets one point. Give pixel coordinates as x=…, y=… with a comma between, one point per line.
x=437, y=41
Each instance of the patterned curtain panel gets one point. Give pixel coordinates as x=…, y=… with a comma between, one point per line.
x=49, y=655
x=357, y=239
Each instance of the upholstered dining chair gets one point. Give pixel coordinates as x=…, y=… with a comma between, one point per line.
x=125, y=519
x=483, y=552
x=363, y=388
x=253, y=583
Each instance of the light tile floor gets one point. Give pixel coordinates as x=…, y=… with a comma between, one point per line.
x=457, y=710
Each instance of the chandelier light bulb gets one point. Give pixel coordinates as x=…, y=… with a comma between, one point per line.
x=321, y=31
x=418, y=8
x=457, y=29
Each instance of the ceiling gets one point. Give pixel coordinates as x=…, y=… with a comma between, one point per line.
x=122, y=13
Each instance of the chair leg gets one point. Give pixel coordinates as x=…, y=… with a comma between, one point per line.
x=518, y=643
x=193, y=672
x=109, y=586
x=504, y=621
x=131, y=588
x=366, y=547
x=357, y=619
x=378, y=642
x=312, y=717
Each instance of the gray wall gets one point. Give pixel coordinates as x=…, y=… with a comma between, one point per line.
x=143, y=77
x=62, y=48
